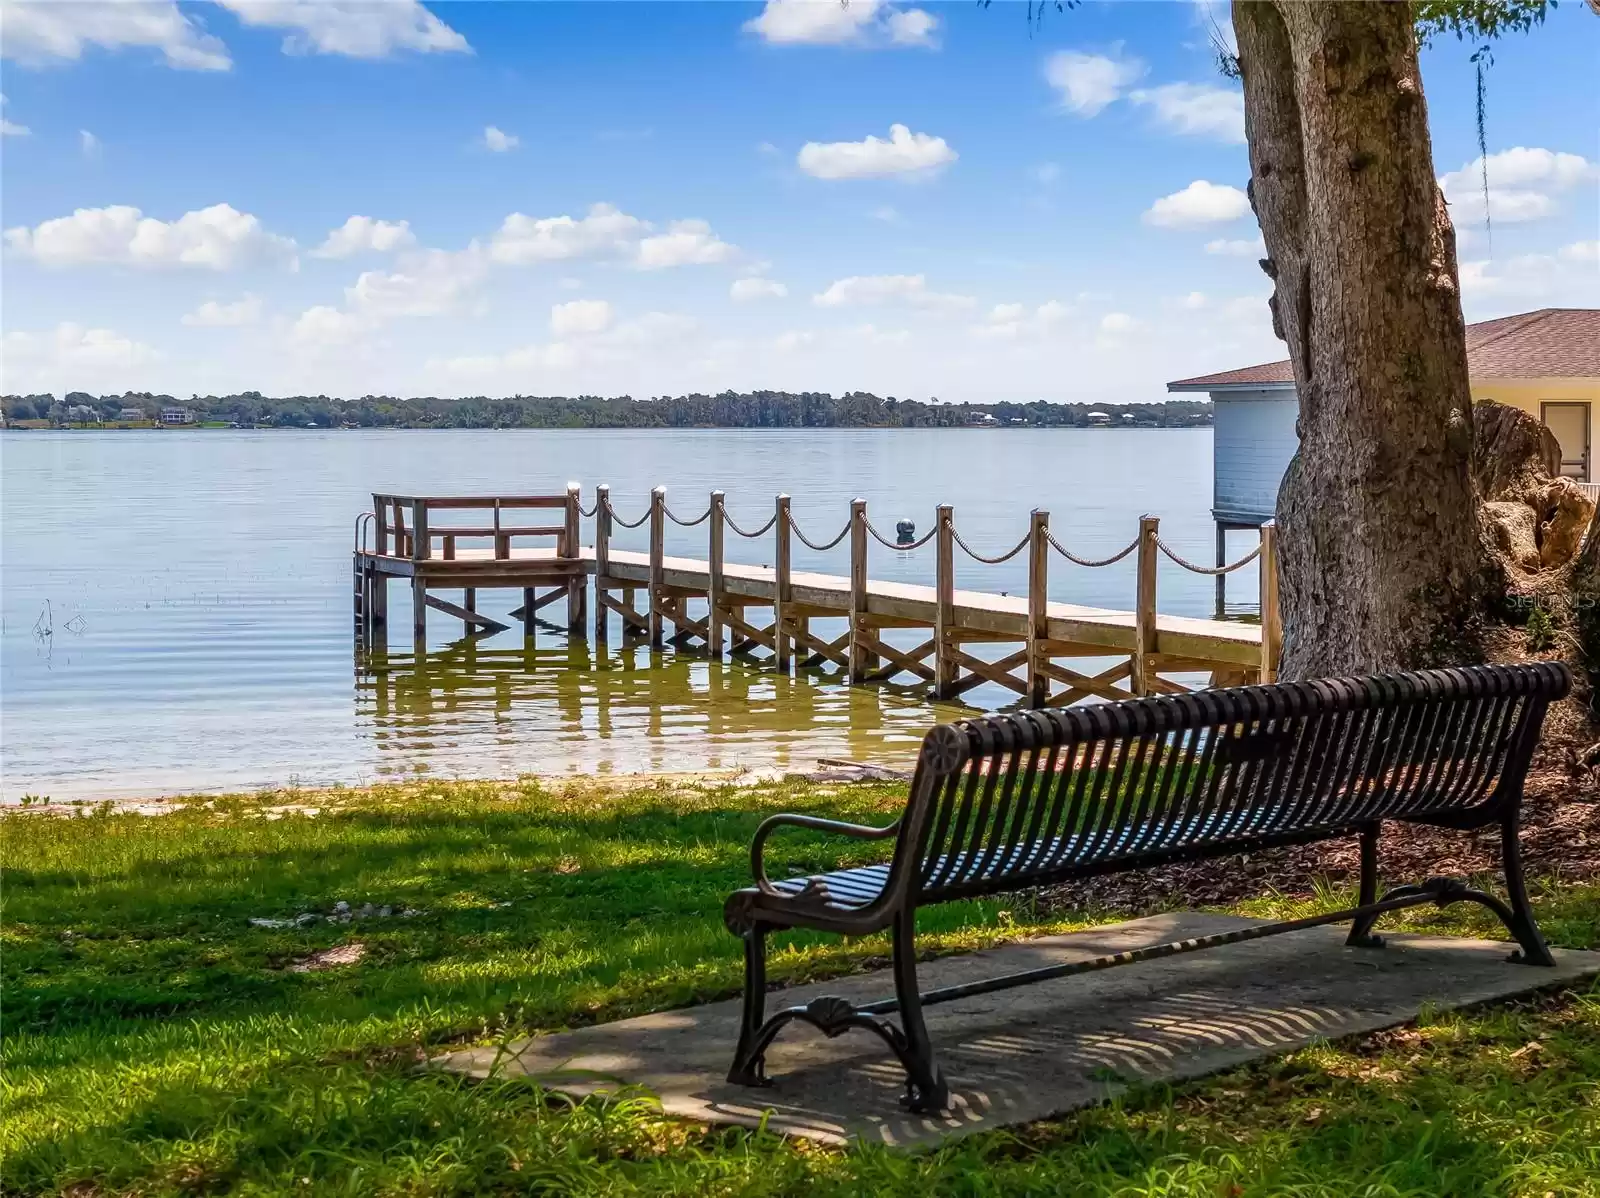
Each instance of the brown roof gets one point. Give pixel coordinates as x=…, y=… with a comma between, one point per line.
x=1548, y=343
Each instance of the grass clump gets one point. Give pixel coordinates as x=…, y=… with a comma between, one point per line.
x=157, y=1041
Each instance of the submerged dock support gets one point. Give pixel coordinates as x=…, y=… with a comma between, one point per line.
x=602, y=564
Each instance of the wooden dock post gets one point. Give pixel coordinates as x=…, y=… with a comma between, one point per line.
x=658, y=543
x=602, y=560
x=420, y=545
x=1222, y=579
x=782, y=592
x=946, y=669
x=1271, y=615
x=1038, y=614
x=715, y=582
x=858, y=590
x=1144, y=611
x=577, y=585
x=380, y=512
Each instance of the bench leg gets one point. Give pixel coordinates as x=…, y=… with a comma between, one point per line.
x=925, y=1085
x=1534, y=951
x=1361, y=935
x=749, y=1059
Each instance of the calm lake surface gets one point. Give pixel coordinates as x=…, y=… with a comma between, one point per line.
x=177, y=608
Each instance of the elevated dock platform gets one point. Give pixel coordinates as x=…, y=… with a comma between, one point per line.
x=717, y=607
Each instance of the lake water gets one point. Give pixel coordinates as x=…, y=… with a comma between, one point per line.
x=177, y=610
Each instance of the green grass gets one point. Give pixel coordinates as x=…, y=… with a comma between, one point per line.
x=156, y=1043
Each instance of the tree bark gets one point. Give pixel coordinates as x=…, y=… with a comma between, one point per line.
x=1382, y=559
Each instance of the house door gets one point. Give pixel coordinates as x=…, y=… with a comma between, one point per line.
x=1570, y=424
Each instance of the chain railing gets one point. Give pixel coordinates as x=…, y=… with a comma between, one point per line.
x=612, y=512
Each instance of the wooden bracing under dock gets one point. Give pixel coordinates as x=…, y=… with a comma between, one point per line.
x=717, y=606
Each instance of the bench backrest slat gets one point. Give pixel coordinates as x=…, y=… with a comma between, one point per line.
x=1020, y=799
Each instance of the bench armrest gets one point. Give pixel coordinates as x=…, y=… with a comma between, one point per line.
x=772, y=823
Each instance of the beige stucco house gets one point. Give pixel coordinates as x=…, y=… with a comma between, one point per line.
x=1546, y=362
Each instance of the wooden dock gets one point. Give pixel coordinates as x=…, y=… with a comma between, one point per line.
x=1034, y=647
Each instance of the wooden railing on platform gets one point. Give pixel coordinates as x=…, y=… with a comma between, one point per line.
x=429, y=539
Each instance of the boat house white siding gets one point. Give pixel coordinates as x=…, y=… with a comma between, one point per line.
x=1254, y=438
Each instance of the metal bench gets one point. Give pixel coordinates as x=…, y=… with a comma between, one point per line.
x=1011, y=802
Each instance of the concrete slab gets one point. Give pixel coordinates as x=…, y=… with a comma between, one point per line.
x=1025, y=1054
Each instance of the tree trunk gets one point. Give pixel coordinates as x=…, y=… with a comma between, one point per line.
x=1382, y=560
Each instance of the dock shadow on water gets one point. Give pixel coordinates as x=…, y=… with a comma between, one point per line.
x=569, y=706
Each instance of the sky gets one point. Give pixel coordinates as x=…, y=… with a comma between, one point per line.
x=915, y=199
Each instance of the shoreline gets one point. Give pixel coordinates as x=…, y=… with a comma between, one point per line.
x=290, y=799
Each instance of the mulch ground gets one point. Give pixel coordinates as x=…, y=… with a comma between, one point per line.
x=1560, y=839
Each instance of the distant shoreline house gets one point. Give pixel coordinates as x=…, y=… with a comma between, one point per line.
x=1546, y=362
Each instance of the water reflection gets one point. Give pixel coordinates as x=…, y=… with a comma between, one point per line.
x=590, y=708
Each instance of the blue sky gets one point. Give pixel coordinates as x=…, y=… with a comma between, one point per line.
x=915, y=199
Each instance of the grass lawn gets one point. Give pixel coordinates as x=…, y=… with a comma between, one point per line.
x=156, y=1042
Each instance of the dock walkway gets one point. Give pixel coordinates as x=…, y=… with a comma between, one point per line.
x=718, y=606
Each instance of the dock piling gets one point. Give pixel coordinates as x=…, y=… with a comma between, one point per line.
x=602, y=563
x=1144, y=612
x=782, y=589
x=1038, y=608
x=858, y=591
x=658, y=541
x=946, y=669
x=716, y=583
x=1271, y=616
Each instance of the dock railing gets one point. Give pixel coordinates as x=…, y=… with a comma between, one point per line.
x=507, y=522
x=863, y=650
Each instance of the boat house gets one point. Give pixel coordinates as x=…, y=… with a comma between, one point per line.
x=1546, y=362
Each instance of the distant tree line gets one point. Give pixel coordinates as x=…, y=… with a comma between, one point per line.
x=759, y=409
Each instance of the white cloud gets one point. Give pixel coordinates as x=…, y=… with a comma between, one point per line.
x=1581, y=251
x=914, y=27
x=9, y=128
x=873, y=335
x=353, y=28
x=424, y=283
x=88, y=144
x=327, y=327
x=569, y=284
x=745, y=290
x=70, y=357
x=886, y=213
x=1523, y=183
x=42, y=31
x=903, y=153
x=365, y=234
x=579, y=318
x=522, y=240
x=218, y=238
x=1565, y=277
x=1117, y=322
x=880, y=289
x=1240, y=247
x=1200, y=109
x=498, y=142
x=1089, y=82
x=1009, y=322
x=793, y=339
x=1193, y=302
x=213, y=315
x=685, y=243
x=1200, y=203
x=830, y=23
